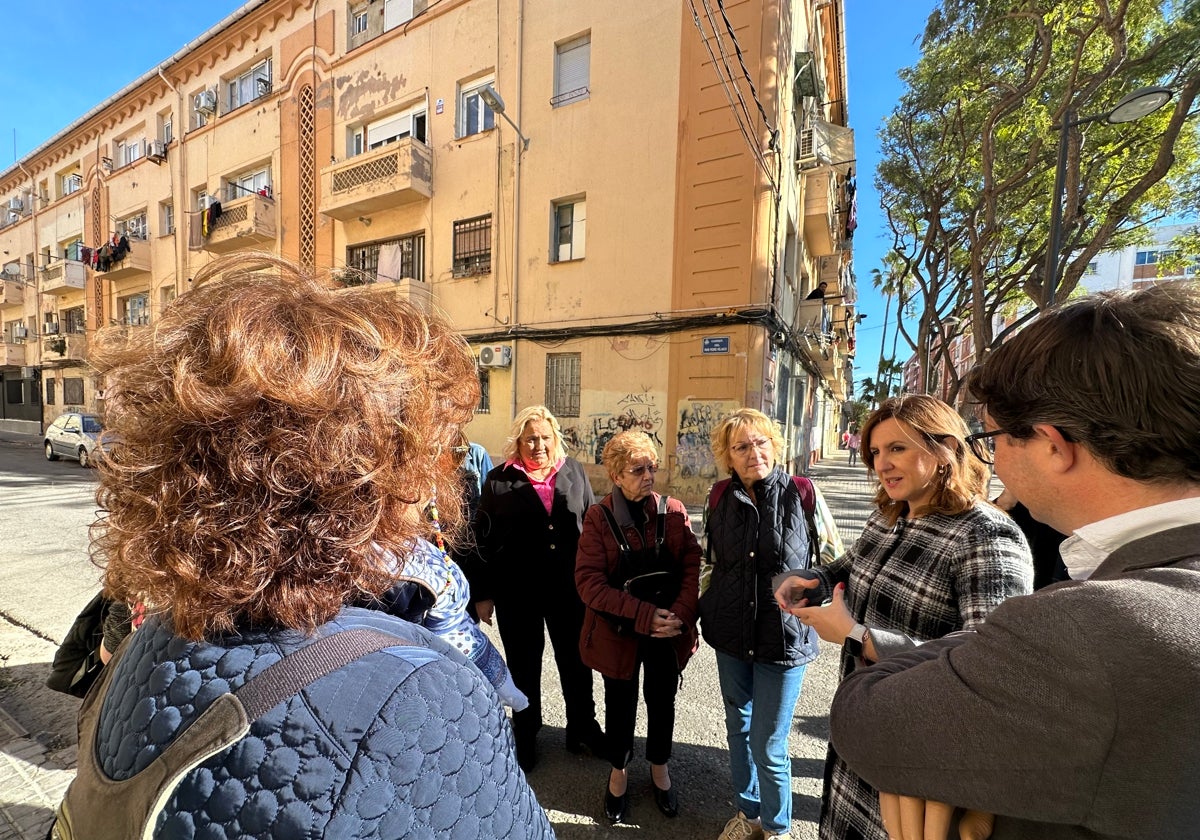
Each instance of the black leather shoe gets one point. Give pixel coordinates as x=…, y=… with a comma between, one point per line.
x=616, y=808
x=591, y=741
x=667, y=801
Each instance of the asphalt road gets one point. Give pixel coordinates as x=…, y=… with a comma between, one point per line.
x=46, y=578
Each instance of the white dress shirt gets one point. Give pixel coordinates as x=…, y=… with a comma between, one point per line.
x=1088, y=547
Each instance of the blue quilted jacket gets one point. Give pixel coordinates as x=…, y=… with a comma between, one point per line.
x=408, y=742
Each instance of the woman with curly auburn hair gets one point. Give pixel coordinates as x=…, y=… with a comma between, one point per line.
x=934, y=557
x=279, y=438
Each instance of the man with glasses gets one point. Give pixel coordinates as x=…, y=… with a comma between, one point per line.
x=1073, y=712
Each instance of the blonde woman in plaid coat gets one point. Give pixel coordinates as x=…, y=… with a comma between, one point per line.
x=935, y=557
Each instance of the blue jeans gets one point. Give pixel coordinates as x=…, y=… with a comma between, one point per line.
x=760, y=698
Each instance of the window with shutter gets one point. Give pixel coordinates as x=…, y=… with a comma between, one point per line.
x=572, y=70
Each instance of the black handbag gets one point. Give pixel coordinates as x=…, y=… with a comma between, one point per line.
x=649, y=574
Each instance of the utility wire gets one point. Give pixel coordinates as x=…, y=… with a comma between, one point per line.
x=745, y=72
x=753, y=145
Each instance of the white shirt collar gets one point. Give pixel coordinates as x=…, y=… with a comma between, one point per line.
x=1091, y=544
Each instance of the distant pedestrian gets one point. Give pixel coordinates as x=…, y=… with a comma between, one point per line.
x=854, y=443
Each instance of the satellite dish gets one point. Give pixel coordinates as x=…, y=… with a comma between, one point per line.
x=12, y=269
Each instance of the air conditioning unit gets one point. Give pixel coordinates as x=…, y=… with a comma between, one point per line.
x=29, y=372
x=806, y=151
x=496, y=356
x=13, y=217
x=15, y=204
x=156, y=150
x=20, y=331
x=50, y=328
x=205, y=102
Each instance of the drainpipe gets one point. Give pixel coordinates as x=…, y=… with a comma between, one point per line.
x=34, y=197
x=177, y=174
x=518, y=150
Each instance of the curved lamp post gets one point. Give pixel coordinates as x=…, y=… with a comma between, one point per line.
x=1133, y=106
x=489, y=95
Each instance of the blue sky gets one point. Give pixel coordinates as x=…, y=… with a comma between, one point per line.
x=85, y=53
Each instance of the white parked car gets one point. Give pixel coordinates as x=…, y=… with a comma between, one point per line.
x=75, y=436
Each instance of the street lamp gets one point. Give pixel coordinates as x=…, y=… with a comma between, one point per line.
x=493, y=101
x=1133, y=106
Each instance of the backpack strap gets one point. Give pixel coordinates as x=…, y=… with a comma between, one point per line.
x=808, y=502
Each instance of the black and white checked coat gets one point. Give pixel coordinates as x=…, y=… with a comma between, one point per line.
x=910, y=582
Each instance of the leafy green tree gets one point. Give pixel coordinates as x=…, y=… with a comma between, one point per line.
x=970, y=152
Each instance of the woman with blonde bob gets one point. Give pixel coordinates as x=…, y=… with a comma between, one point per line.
x=630, y=626
x=527, y=529
x=278, y=439
x=934, y=557
x=757, y=528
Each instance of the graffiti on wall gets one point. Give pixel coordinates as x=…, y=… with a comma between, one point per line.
x=694, y=468
x=586, y=438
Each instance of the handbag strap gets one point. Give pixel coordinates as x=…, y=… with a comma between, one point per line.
x=302, y=667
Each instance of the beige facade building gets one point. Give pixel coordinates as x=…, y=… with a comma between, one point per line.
x=622, y=206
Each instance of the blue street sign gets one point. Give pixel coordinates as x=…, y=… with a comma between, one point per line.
x=715, y=344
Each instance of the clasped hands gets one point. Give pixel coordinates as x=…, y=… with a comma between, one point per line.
x=665, y=625
x=912, y=818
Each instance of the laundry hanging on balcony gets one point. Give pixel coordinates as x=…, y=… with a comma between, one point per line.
x=107, y=255
x=209, y=217
x=851, y=206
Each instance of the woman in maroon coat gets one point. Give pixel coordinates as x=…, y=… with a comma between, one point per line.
x=622, y=632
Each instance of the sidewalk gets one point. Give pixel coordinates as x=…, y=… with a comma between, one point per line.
x=31, y=783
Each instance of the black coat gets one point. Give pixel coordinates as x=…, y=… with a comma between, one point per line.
x=748, y=545
x=525, y=552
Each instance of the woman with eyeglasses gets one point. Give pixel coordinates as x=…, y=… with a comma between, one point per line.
x=638, y=572
x=757, y=529
x=935, y=557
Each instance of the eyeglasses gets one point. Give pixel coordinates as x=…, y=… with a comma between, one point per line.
x=983, y=445
x=641, y=471
x=762, y=445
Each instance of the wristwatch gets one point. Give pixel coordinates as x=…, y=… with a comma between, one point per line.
x=855, y=640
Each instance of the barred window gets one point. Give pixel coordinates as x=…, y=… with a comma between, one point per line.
x=73, y=390
x=485, y=392
x=562, y=384
x=50, y=391
x=473, y=246
x=409, y=253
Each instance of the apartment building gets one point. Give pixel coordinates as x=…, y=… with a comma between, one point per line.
x=623, y=207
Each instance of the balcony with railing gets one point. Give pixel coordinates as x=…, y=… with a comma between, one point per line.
x=68, y=347
x=12, y=293
x=137, y=260
x=396, y=173
x=63, y=276
x=246, y=222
